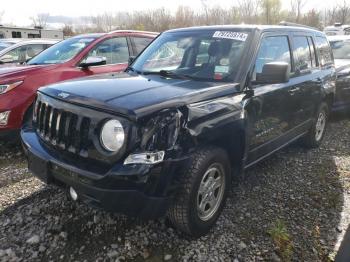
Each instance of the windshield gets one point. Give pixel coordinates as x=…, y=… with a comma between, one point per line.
x=204, y=55
x=341, y=49
x=62, y=51
x=4, y=45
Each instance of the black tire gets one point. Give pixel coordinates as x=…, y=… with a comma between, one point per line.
x=312, y=139
x=183, y=214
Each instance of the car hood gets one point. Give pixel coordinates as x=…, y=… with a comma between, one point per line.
x=20, y=71
x=134, y=95
x=8, y=65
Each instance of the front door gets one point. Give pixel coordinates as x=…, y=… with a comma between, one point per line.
x=273, y=116
x=116, y=52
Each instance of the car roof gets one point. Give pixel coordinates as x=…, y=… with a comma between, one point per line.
x=98, y=35
x=242, y=27
x=338, y=37
x=95, y=35
x=30, y=40
x=133, y=32
x=38, y=41
x=12, y=40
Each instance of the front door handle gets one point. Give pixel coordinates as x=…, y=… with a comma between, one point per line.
x=294, y=90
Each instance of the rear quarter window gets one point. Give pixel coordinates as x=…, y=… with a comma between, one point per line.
x=324, y=51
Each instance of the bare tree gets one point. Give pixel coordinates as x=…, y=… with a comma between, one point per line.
x=105, y=22
x=40, y=20
x=343, y=12
x=68, y=30
x=205, y=7
x=296, y=8
x=312, y=18
x=184, y=17
x=217, y=15
x=271, y=11
x=248, y=10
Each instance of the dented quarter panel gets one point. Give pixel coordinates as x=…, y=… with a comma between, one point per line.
x=207, y=117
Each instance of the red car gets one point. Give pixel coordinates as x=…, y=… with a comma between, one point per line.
x=75, y=57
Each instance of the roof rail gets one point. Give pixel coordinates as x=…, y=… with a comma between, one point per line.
x=284, y=23
x=132, y=31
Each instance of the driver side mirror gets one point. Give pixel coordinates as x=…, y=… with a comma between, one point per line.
x=274, y=73
x=93, y=61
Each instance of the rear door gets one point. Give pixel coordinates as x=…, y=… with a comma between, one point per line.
x=307, y=80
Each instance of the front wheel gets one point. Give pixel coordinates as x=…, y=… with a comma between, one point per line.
x=317, y=131
x=204, y=188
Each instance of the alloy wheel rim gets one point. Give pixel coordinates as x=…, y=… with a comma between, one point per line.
x=320, y=125
x=210, y=192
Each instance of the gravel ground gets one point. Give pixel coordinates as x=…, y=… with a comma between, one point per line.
x=295, y=206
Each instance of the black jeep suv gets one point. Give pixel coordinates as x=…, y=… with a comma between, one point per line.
x=193, y=111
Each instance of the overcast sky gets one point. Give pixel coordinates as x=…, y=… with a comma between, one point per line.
x=18, y=12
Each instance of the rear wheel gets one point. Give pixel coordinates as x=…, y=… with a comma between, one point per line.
x=204, y=188
x=316, y=133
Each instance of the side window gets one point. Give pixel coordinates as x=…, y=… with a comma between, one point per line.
x=324, y=51
x=17, y=55
x=33, y=50
x=302, y=53
x=272, y=49
x=115, y=50
x=140, y=43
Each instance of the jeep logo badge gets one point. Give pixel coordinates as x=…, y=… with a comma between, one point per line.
x=63, y=95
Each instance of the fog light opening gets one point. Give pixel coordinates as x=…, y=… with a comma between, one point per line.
x=4, y=117
x=73, y=194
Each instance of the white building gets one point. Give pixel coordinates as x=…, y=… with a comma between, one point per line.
x=22, y=32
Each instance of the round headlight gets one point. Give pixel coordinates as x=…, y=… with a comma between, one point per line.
x=112, y=135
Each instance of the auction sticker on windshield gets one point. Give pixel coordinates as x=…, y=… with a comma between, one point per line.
x=231, y=35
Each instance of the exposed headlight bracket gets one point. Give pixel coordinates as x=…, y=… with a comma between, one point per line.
x=145, y=158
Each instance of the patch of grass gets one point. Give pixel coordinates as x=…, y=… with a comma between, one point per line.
x=322, y=254
x=281, y=240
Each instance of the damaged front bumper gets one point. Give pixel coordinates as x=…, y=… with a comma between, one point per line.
x=139, y=190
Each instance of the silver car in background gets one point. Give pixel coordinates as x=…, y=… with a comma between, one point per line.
x=18, y=51
x=341, y=51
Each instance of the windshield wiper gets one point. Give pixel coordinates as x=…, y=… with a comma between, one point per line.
x=166, y=73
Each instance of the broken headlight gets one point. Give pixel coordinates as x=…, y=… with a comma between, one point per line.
x=157, y=136
x=161, y=132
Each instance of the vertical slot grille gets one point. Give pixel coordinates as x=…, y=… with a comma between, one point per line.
x=63, y=129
